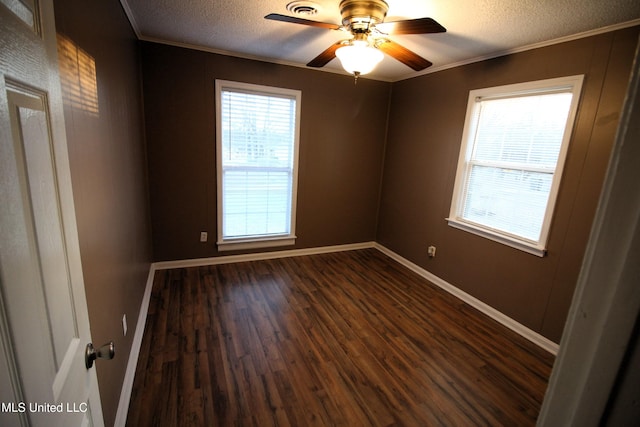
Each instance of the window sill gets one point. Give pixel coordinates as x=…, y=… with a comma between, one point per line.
x=496, y=236
x=255, y=243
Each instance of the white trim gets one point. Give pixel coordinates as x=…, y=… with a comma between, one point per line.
x=552, y=42
x=598, y=335
x=136, y=344
x=499, y=237
x=228, y=259
x=520, y=329
x=255, y=241
x=266, y=242
x=429, y=70
x=252, y=57
x=496, y=315
x=466, y=161
x=131, y=17
x=127, y=386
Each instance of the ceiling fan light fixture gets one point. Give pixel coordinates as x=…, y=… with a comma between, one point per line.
x=359, y=58
x=364, y=20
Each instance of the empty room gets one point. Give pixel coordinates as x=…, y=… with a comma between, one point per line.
x=324, y=212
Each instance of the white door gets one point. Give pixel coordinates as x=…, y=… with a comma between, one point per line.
x=44, y=325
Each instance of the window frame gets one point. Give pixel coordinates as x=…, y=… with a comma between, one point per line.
x=572, y=84
x=255, y=241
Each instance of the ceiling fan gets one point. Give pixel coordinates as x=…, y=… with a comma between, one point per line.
x=364, y=19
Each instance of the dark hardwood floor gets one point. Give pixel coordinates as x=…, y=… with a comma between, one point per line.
x=349, y=338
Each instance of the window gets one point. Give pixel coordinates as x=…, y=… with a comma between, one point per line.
x=514, y=144
x=257, y=156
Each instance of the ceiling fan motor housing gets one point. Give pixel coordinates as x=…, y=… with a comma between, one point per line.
x=359, y=15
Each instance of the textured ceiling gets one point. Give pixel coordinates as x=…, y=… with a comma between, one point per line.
x=476, y=29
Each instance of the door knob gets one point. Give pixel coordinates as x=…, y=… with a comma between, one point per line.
x=107, y=351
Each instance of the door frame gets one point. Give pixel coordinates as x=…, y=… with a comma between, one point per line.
x=606, y=302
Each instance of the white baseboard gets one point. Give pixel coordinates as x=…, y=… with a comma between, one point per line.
x=127, y=385
x=228, y=259
x=496, y=315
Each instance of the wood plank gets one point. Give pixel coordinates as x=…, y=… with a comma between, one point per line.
x=350, y=338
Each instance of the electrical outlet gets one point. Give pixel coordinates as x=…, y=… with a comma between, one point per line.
x=431, y=251
x=204, y=236
x=124, y=325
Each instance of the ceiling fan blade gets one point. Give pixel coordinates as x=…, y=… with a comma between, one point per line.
x=402, y=54
x=326, y=56
x=294, y=20
x=411, y=26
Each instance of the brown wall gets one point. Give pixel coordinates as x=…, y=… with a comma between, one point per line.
x=343, y=137
x=108, y=171
x=425, y=129
x=341, y=149
x=411, y=130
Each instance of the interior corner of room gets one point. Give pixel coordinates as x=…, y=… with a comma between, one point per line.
x=376, y=169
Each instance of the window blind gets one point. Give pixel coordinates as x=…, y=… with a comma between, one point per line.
x=257, y=159
x=516, y=144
